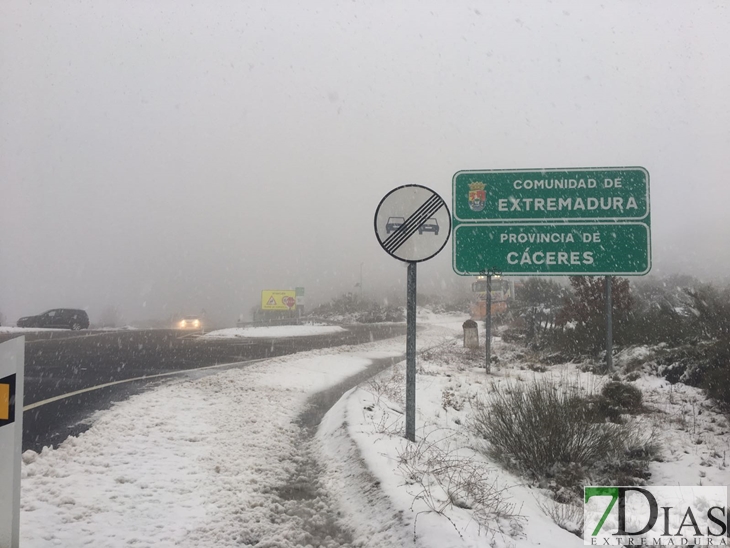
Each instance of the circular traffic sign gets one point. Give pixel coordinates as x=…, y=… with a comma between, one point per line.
x=412, y=223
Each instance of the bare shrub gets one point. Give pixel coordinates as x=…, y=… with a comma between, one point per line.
x=568, y=516
x=554, y=434
x=450, y=399
x=534, y=427
x=386, y=423
x=446, y=477
x=389, y=385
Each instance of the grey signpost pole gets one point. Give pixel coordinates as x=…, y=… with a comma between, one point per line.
x=411, y=354
x=609, y=327
x=412, y=224
x=488, y=323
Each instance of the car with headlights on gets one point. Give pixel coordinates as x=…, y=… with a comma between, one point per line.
x=190, y=322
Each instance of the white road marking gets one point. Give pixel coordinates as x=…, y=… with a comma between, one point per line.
x=84, y=336
x=146, y=377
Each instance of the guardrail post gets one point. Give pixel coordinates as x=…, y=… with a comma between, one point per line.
x=12, y=356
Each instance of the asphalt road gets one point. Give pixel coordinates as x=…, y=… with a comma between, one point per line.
x=61, y=367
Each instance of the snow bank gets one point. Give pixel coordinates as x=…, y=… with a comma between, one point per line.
x=362, y=438
x=362, y=442
x=273, y=331
x=10, y=329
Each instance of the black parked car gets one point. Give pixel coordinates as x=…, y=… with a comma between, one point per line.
x=63, y=318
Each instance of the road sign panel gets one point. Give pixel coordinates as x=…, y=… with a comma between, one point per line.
x=278, y=299
x=565, y=249
x=604, y=193
x=412, y=223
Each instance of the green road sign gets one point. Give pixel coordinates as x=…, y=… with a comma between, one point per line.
x=561, y=222
x=565, y=249
x=600, y=194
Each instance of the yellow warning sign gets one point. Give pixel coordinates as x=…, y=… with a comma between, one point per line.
x=278, y=299
x=4, y=402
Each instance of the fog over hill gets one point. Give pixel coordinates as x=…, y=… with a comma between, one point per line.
x=163, y=158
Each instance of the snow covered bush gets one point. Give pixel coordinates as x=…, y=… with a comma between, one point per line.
x=616, y=399
x=351, y=308
x=537, y=425
x=557, y=434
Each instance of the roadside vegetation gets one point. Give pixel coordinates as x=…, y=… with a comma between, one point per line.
x=683, y=324
x=352, y=308
x=564, y=435
x=548, y=420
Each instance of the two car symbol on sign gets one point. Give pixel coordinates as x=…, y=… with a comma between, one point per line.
x=430, y=225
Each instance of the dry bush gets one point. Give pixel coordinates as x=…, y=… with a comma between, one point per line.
x=446, y=477
x=568, y=516
x=390, y=386
x=555, y=435
x=539, y=425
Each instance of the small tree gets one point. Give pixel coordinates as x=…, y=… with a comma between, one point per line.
x=586, y=308
x=539, y=300
x=711, y=310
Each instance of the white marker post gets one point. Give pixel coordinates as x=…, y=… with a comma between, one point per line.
x=12, y=358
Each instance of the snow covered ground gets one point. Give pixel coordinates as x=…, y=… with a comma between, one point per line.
x=273, y=331
x=11, y=329
x=221, y=460
x=362, y=441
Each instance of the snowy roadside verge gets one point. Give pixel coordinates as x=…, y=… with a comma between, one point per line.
x=199, y=463
x=362, y=441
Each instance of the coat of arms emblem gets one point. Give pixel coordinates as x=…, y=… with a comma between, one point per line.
x=477, y=196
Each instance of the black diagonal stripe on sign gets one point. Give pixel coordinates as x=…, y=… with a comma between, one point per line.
x=413, y=223
x=416, y=223
x=402, y=228
x=394, y=238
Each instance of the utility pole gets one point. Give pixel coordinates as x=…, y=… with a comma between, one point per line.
x=361, y=281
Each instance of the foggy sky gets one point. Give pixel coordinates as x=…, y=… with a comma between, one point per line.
x=170, y=157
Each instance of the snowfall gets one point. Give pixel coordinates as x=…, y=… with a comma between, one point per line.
x=222, y=459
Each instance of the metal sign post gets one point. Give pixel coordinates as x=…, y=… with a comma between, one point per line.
x=411, y=353
x=12, y=356
x=609, y=327
x=412, y=224
x=488, y=324
x=488, y=317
